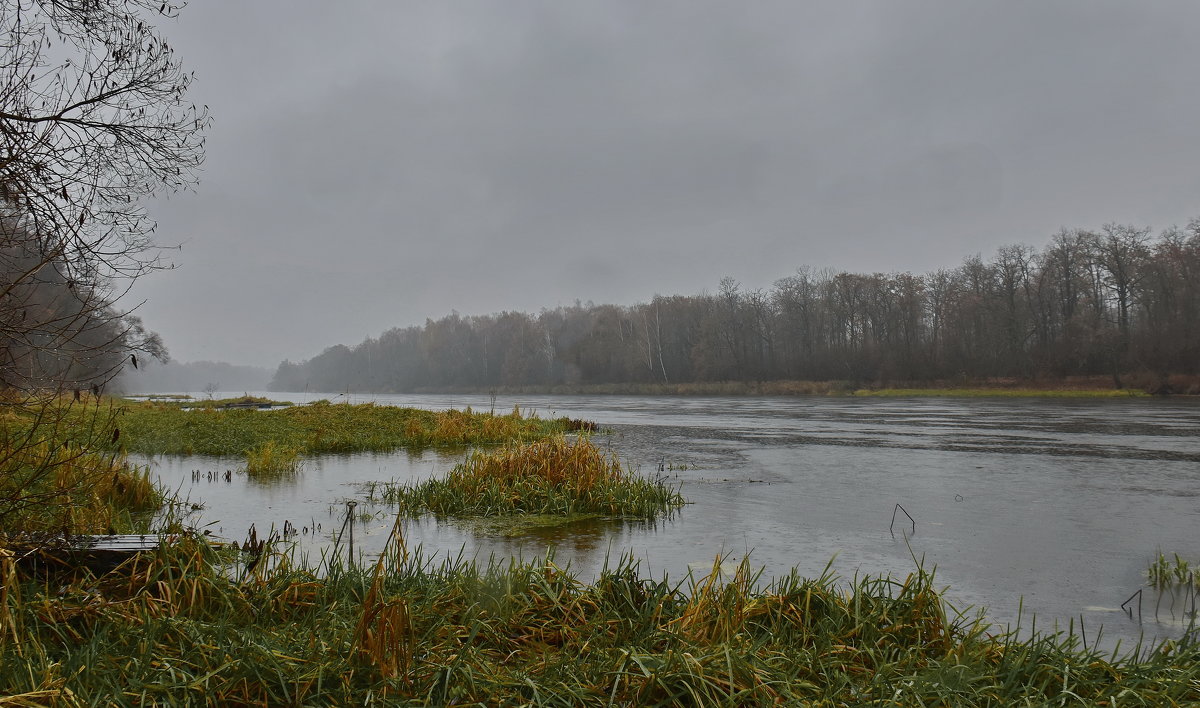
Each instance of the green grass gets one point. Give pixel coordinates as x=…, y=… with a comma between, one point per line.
x=553, y=476
x=56, y=477
x=179, y=628
x=998, y=393
x=1164, y=574
x=155, y=428
x=271, y=462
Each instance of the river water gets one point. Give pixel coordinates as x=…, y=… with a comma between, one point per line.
x=1023, y=507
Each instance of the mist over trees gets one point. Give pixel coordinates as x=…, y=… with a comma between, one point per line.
x=194, y=377
x=1113, y=302
x=93, y=122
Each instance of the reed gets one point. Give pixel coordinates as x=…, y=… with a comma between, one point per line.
x=1164, y=574
x=271, y=462
x=552, y=476
x=184, y=627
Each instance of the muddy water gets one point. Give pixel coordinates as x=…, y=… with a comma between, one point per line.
x=1053, y=506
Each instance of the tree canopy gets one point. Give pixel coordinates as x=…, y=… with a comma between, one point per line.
x=1090, y=303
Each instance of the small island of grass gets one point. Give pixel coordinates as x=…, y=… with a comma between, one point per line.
x=554, y=476
x=217, y=429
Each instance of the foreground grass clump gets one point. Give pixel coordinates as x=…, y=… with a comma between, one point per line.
x=156, y=428
x=179, y=629
x=551, y=476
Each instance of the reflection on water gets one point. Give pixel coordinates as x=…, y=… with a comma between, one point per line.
x=1054, y=505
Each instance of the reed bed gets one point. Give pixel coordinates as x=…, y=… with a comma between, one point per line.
x=160, y=428
x=181, y=628
x=556, y=476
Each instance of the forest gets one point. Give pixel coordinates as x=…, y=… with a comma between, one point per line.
x=1118, y=302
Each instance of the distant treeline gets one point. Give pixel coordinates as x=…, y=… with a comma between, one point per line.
x=1111, y=302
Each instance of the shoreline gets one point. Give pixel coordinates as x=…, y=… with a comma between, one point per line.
x=1008, y=388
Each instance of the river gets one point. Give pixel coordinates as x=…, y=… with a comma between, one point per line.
x=1024, y=507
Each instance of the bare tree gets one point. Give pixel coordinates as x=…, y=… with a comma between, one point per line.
x=94, y=120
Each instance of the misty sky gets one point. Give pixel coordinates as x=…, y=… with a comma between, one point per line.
x=372, y=164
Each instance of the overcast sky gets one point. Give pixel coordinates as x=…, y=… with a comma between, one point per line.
x=372, y=164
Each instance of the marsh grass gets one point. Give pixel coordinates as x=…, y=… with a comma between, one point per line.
x=557, y=475
x=179, y=627
x=158, y=428
x=271, y=462
x=62, y=489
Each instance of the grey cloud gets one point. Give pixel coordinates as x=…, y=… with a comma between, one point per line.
x=374, y=164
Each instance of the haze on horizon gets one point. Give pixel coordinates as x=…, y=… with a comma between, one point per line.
x=374, y=165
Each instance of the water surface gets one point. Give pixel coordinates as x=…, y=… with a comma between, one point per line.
x=1056, y=505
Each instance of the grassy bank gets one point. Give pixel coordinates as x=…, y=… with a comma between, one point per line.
x=56, y=477
x=176, y=629
x=552, y=476
x=162, y=428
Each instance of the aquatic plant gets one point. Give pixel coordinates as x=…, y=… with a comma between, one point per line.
x=183, y=626
x=272, y=461
x=1164, y=574
x=556, y=475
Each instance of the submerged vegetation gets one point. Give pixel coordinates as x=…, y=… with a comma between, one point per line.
x=158, y=428
x=180, y=628
x=1165, y=574
x=551, y=476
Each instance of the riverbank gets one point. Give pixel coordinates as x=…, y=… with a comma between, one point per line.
x=192, y=625
x=1075, y=386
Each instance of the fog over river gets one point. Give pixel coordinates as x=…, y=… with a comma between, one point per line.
x=1056, y=505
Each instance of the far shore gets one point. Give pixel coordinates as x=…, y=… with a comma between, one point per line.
x=1071, y=387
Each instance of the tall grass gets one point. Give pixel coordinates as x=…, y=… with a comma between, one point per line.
x=551, y=476
x=180, y=628
x=158, y=428
x=271, y=461
x=60, y=489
